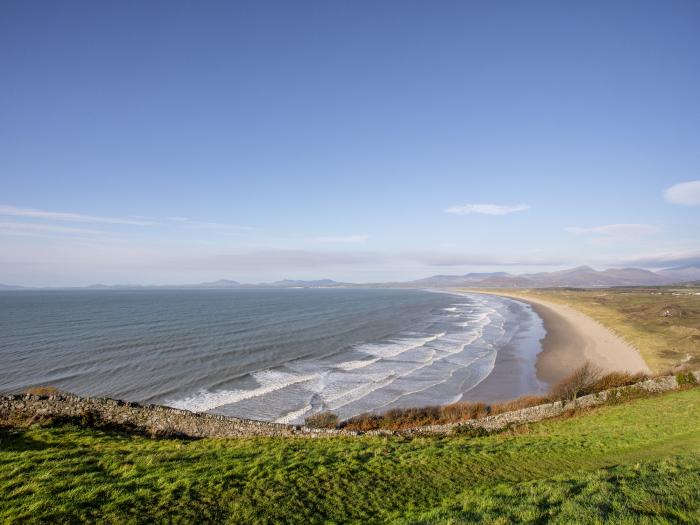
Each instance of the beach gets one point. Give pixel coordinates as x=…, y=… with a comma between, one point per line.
x=572, y=338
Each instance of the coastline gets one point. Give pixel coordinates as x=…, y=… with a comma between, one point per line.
x=514, y=373
x=572, y=338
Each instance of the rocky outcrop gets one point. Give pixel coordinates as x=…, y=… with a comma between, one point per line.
x=165, y=421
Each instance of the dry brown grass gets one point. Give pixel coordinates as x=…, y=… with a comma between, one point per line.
x=617, y=379
x=42, y=391
x=400, y=418
x=463, y=411
x=322, y=420
x=586, y=380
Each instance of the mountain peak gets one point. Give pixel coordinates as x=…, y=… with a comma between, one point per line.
x=582, y=268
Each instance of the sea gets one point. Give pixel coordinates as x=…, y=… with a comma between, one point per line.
x=267, y=354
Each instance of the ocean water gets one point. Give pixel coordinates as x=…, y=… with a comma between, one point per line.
x=276, y=355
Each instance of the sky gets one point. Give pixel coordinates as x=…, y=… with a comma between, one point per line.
x=179, y=142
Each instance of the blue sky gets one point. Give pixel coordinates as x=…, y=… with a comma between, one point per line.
x=178, y=141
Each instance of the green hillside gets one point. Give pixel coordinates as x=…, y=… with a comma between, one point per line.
x=630, y=463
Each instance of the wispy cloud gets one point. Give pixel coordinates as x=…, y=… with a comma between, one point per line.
x=665, y=259
x=616, y=230
x=687, y=193
x=209, y=225
x=23, y=228
x=342, y=239
x=31, y=213
x=280, y=259
x=458, y=259
x=486, y=209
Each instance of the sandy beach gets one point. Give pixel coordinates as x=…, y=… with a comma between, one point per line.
x=573, y=338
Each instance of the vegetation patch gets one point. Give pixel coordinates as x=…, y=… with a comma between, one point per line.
x=322, y=420
x=617, y=397
x=42, y=391
x=662, y=322
x=583, y=381
x=638, y=463
x=686, y=379
x=653, y=492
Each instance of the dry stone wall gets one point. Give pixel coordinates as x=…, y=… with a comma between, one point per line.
x=165, y=421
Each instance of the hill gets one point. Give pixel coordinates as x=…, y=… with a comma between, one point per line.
x=581, y=276
x=10, y=287
x=636, y=462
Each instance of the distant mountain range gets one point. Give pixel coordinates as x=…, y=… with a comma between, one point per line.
x=221, y=284
x=10, y=287
x=579, y=277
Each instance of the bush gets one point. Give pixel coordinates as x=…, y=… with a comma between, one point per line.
x=686, y=378
x=401, y=418
x=617, y=379
x=586, y=380
x=42, y=391
x=364, y=422
x=622, y=396
x=464, y=411
x=519, y=403
x=322, y=420
x=579, y=383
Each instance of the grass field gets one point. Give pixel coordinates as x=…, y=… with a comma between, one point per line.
x=632, y=463
x=663, y=323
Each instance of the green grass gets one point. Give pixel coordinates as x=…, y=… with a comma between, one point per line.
x=663, y=323
x=637, y=462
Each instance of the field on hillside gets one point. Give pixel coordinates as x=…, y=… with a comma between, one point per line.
x=663, y=323
x=638, y=461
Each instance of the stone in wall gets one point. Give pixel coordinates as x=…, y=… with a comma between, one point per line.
x=165, y=421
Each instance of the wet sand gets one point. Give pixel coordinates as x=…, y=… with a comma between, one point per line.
x=571, y=339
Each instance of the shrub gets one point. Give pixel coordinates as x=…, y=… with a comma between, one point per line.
x=587, y=379
x=686, y=378
x=617, y=379
x=519, y=403
x=322, y=420
x=579, y=383
x=463, y=411
x=400, y=418
x=622, y=396
x=42, y=391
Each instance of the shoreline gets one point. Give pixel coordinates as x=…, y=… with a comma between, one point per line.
x=514, y=373
x=572, y=338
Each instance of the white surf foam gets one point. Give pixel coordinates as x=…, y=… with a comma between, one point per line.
x=358, y=392
x=393, y=369
x=354, y=365
x=269, y=381
x=396, y=347
x=294, y=416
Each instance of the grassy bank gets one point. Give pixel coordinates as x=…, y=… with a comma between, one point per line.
x=663, y=323
x=638, y=461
